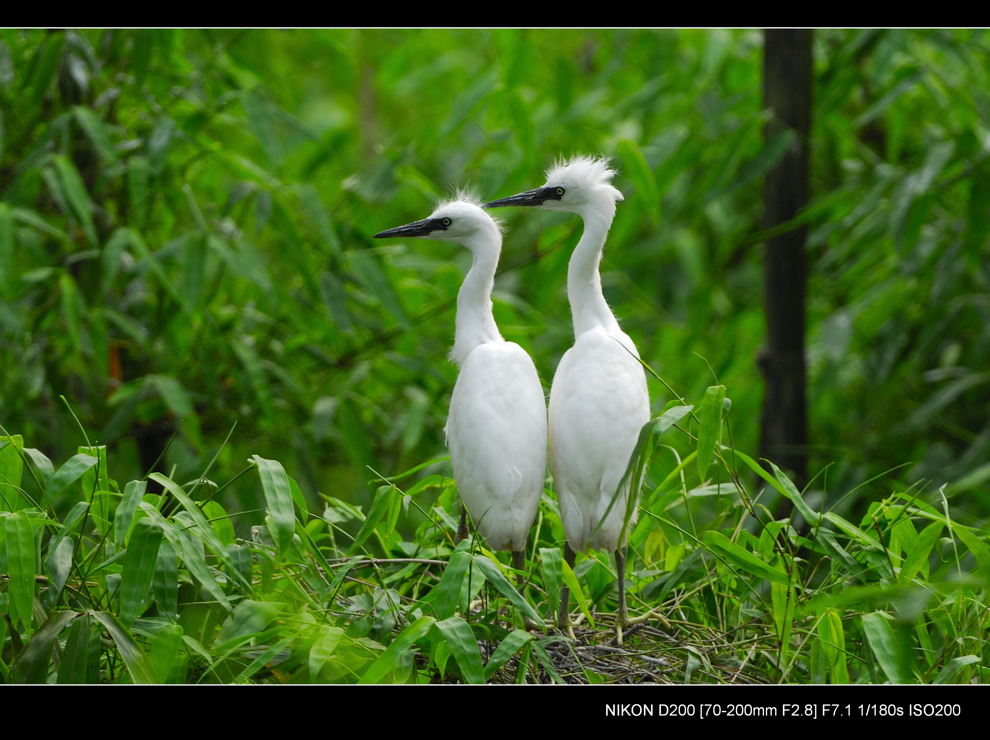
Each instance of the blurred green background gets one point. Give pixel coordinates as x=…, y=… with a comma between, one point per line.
x=186, y=252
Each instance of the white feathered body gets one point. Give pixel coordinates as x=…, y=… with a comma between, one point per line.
x=598, y=403
x=497, y=435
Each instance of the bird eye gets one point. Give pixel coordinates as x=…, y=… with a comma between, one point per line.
x=446, y=222
x=560, y=191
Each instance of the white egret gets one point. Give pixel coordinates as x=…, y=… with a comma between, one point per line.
x=598, y=399
x=497, y=424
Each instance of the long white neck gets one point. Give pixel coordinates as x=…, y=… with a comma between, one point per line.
x=584, y=285
x=475, y=323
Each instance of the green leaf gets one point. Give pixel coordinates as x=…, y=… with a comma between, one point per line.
x=743, y=558
x=323, y=647
x=262, y=124
x=190, y=546
x=96, y=131
x=399, y=647
x=790, y=490
x=379, y=508
x=138, y=570
x=248, y=620
x=551, y=563
x=833, y=643
x=636, y=169
x=976, y=546
x=464, y=647
x=952, y=669
x=451, y=591
x=317, y=210
x=12, y=497
x=72, y=309
x=75, y=192
x=66, y=475
x=45, y=69
x=8, y=275
x=134, y=658
x=159, y=143
x=73, y=668
x=58, y=564
x=885, y=646
x=32, y=664
x=166, y=652
x=21, y=563
x=124, y=515
x=710, y=427
x=368, y=272
x=493, y=573
x=165, y=587
x=918, y=555
x=278, y=496
x=511, y=644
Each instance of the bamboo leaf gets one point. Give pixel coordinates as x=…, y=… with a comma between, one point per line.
x=124, y=515
x=451, y=591
x=166, y=652
x=138, y=571
x=464, y=647
x=73, y=667
x=917, y=556
x=58, y=564
x=249, y=619
x=884, y=646
x=710, y=427
x=96, y=131
x=21, y=562
x=75, y=193
x=743, y=558
x=66, y=475
x=262, y=124
x=510, y=645
x=134, y=658
x=636, y=169
x=399, y=647
x=12, y=497
x=278, y=496
x=32, y=664
x=790, y=490
x=551, y=563
x=493, y=573
x=323, y=647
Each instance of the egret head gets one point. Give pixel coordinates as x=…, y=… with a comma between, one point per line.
x=572, y=185
x=460, y=220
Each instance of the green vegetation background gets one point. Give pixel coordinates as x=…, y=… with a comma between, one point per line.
x=186, y=253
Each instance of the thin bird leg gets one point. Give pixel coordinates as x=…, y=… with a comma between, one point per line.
x=519, y=563
x=624, y=620
x=462, y=530
x=564, y=616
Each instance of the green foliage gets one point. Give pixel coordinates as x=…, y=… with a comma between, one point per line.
x=139, y=587
x=188, y=282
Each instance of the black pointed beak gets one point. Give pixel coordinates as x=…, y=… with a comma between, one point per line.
x=417, y=228
x=535, y=197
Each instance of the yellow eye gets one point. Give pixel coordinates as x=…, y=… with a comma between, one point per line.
x=560, y=191
x=446, y=222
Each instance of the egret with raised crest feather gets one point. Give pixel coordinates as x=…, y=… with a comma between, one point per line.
x=497, y=424
x=598, y=399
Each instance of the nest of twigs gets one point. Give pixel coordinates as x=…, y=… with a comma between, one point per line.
x=650, y=653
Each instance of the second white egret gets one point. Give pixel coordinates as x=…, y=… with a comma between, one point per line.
x=497, y=424
x=599, y=399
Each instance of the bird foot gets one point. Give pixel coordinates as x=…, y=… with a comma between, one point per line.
x=529, y=625
x=567, y=625
x=624, y=621
x=628, y=621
